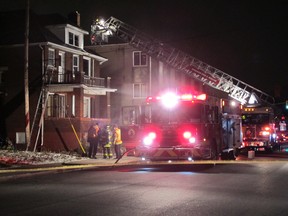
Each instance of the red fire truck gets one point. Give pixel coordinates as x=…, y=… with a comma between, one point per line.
x=259, y=132
x=189, y=126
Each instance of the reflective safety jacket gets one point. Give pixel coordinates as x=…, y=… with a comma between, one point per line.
x=117, y=136
x=109, y=140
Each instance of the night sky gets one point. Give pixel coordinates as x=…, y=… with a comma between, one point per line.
x=246, y=39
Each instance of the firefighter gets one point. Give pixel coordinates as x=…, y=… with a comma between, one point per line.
x=117, y=141
x=106, y=141
x=93, y=139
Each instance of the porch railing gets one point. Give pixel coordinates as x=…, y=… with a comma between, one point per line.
x=73, y=78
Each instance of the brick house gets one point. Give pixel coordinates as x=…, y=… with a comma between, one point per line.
x=64, y=78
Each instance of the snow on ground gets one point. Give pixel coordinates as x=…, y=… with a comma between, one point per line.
x=10, y=157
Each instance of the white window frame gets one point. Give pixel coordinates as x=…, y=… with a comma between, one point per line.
x=142, y=92
x=61, y=68
x=61, y=106
x=75, y=38
x=73, y=105
x=141, y=64
x=87, y=107
x=75, y=68
x=51, y=57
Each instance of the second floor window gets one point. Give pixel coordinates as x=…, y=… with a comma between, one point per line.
x=75, y=63
x=2, y=74
x=139, y=59
x=73, y=39
x=140, y=90
x=86, y=66
x=51, y=57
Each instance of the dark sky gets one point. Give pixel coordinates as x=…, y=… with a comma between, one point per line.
x=246, y=39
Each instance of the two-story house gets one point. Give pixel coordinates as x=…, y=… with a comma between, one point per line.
x=66, y=92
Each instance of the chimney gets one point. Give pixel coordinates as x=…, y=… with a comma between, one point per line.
x=74, y=17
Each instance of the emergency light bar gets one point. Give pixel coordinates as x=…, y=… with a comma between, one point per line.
x=173, y=97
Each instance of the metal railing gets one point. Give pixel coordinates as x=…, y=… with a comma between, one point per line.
x=73, y=78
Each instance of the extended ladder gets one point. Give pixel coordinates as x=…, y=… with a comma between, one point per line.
x=181, y=61
x=41, y=108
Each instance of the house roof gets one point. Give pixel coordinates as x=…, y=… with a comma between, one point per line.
x=13, y=28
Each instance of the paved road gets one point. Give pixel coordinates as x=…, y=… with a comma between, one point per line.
x=200, y=189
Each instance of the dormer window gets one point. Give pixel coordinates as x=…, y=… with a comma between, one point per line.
x=73, y=39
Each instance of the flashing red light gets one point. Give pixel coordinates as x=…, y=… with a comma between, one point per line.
x=267, y=128
x=187, y=134
x=186, y=97
x=201, y=97
x=265, y=131
x=174, y=98
x=149, y=139
x=151, y=135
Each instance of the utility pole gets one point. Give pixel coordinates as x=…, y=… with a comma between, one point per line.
x=108, y=99
x=26, y=78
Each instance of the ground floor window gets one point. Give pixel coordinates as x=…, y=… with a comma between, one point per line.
x=87, y=107
x=56, y=106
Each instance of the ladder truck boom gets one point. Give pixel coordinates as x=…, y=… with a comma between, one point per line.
x=193, y=67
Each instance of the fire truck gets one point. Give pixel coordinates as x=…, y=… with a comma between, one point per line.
x=190, y=126
x=225, y=127
x=259, y=132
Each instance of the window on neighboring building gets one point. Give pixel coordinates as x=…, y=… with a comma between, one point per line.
x=73, y=39
x=61, y=67
x=2, y=74
x=139, y=59
x=51, y=57
x=140, y=90
x=129, y=115
x=87, y=107
x=56, y=106
x=1, y=77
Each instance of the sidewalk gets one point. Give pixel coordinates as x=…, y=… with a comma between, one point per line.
x=86, y=162
x=107, y=162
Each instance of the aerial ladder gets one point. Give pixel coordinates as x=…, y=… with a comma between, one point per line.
x=181, y=61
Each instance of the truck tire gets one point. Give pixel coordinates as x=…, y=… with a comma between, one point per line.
x=231, y=155
x=228, y=155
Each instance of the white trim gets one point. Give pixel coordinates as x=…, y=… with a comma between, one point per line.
x=73, y=65
x=73, y=105
x=63, y=48
x=68, y=26
x=70, y=88
x=87, y=107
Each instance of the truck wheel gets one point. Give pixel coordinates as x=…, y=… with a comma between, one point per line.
x=269, y=150
x=231, y=155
